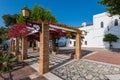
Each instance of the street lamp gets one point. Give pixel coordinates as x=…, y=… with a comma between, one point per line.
x=25, y=12
x=26, y=15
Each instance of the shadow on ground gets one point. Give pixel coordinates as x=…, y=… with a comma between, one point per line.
x=54, y=60
x=72, y=51
x=20, y=71
x=115, y=50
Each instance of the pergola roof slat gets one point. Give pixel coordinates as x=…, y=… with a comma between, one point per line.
x=57, y=27
x=23, y=30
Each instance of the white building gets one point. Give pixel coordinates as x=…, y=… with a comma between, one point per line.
x=66, y=42
x=70, y=42
x=102, y=24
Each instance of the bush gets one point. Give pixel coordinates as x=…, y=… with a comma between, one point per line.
x=6, y=60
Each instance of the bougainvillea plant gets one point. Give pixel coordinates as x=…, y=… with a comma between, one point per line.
x=18, y=30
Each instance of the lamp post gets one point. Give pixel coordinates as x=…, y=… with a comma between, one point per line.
x=26, y=15
x=34, y=26
x=25, y=12
x=44, y=41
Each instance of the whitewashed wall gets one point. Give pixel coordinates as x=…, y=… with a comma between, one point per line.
x=70, y=42
x=95, y=33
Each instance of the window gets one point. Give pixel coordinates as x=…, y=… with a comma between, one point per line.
x=116, y=22
x=102, y=24
x=108, y=28
x=85, y=32
x=74, y=43
x=70, y=42
x=85, y=42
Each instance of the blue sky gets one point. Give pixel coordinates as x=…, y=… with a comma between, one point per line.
x=70, y=12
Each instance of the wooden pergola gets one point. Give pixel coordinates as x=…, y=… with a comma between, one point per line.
x=21, y=30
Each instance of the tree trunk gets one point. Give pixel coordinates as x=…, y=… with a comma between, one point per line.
x=110, y=45
x=10, y=75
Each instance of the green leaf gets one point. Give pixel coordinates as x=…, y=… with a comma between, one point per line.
x=112, y=6
x=6, y=61
x=13, y=59
x=110, y=38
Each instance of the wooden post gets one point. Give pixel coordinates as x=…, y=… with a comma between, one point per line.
x=17, y=46
x=24, y=48
x=13, y=46
x=44, y=49
x=54, y=46
x=33, y=45
x=78, y=46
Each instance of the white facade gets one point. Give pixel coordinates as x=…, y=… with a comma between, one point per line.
x=70, y=42
x=102, y=24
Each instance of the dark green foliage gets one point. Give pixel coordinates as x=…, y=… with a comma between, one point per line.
x=0, y=40
x=6, y=60
x=113, y=6
x=38, y=13
x=110, y=38
x=3, y=33
x=20, y=19
x=10, y=20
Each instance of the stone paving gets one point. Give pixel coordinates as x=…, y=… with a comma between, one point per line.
x=86, y=70
x=22, y=71
x=54, y=61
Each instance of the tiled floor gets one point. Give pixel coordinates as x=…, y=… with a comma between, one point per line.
x=107, y=57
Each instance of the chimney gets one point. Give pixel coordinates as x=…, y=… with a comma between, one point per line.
x=84, y=24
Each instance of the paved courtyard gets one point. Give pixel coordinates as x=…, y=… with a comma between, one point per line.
x=54, y=62
x=94, y=65
x=22, y=71
x=84, y=69
x=107, y=57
